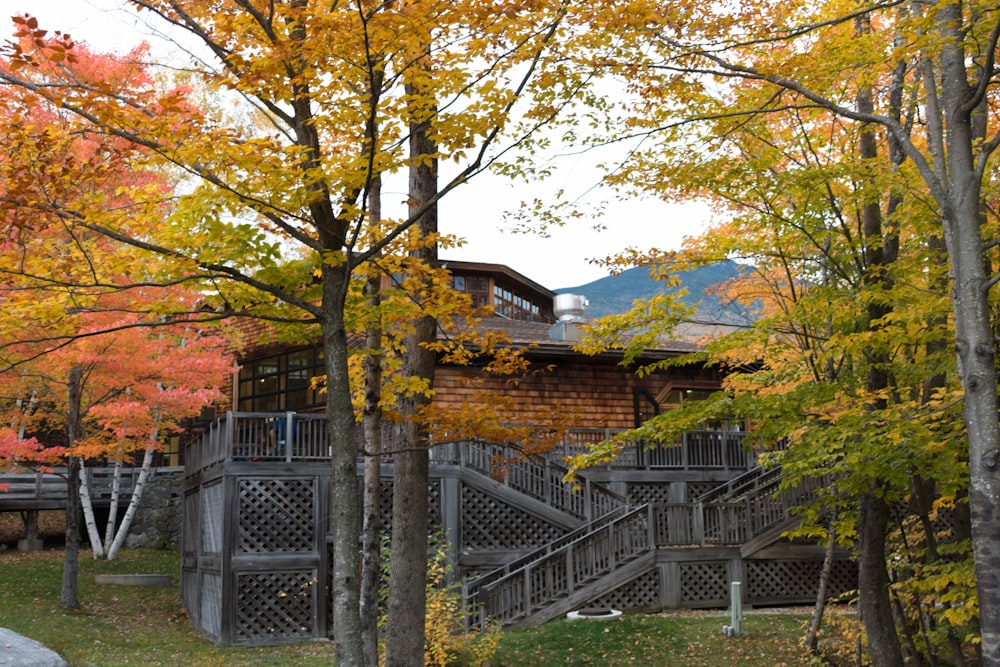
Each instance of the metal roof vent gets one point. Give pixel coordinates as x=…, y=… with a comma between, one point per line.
x=569, y=309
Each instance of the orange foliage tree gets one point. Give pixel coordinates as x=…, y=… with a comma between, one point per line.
x=98, y=353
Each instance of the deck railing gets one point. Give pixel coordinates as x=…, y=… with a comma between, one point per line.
x=33, y=488
x=703, y=449
x=264, y=436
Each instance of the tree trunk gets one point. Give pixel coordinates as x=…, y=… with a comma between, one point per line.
x=140, y=486
x=405, y=632
x=69, y=595
x=974, y=343
x=371, y=530
x=812, y=635
x=344, y=506
x=88, y=513
x=880, y=250
x=873, y=582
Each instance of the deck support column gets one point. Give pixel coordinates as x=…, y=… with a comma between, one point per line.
x=31, y=541
x=451, y=520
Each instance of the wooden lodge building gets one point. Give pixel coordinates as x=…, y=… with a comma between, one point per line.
x=655, y=529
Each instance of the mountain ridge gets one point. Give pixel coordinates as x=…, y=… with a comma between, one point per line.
x=615, y=294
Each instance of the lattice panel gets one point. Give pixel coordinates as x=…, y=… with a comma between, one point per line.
x=642, y=593
x=946, y=524
x=795, y=580
x=491, y=524
x=433, y=506
x=190, y=524
x=385, y=505
x=190, y=592
x=843, y=577
x=697, y=489
x=211, y=518
x=274, y=605
x=211, y=604
x=276, y=515
x=640, y=494
x=704, y=582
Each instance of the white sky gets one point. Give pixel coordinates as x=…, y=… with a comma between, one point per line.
x=476, y=210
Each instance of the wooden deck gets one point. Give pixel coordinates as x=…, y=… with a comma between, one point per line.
x=48, y=491
x=657, y=529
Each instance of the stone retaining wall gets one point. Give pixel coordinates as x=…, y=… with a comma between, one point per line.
x=157, y=522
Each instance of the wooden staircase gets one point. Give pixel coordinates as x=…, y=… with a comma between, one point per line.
x=747, y=513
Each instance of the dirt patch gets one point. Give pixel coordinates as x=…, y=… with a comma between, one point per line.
x=51, y=526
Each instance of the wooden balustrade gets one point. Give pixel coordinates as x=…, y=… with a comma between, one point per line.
x=260, y=436
x=26, y=490
x=560, y=571
x=700, y=449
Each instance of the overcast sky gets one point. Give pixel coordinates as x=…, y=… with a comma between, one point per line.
x=476, y=210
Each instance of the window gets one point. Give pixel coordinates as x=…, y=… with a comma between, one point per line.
x=678, y=396
x=506, y=302
x=477, y=287
x=515, y=306
x=280, y=382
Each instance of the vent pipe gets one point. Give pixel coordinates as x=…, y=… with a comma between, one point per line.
x=569, y=310
x=569, y=307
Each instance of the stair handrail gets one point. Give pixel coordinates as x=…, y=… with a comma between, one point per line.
x=505, y=594
x=541, y=479
x=505, y=598
x=764, y=503
x=744, y=483
x=540, y=552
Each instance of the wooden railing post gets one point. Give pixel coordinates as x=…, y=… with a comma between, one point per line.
x=547, y=486
x=698, y=524
x=289, y=435
x=570, y=582
x=651, y=525
x=527, y=591
x=226, y=441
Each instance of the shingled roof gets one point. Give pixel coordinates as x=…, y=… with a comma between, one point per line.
x=538, y=335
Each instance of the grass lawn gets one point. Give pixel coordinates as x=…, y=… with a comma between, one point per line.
x=684, y=639
x=125, y=625
x=121, y=625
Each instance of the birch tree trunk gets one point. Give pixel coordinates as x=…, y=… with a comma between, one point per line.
x=133, y=505
x=116, y=485
x=88, y=513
